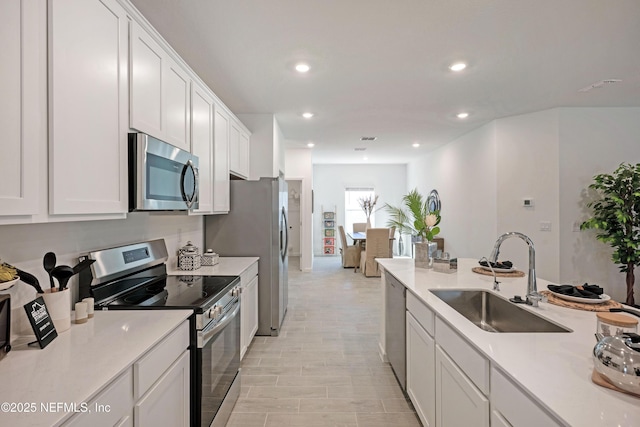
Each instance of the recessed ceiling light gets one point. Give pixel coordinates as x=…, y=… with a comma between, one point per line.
x=307, y=115
x=302, y=67
x=415, y=145
x=462, y=115
x=368, y=138
x=458, y=66
x=310, y=144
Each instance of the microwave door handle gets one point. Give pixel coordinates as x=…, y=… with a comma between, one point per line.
x=189, y=200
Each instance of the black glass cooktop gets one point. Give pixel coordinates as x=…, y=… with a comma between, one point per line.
x=191, y=292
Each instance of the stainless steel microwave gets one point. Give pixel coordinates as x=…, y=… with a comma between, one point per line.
x=161, y=177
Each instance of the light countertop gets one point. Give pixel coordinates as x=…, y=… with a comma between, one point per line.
x=79, y=362
x=228, y=266
x=555, y=368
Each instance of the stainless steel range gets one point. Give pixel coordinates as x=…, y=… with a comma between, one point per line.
x=135, y=277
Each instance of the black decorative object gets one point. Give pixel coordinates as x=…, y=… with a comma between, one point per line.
x=40, y=322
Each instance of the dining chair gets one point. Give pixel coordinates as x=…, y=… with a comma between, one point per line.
x=359, y=227
x=377, y=246
x=350, y=254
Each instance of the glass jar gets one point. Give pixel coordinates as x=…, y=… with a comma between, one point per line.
x=610, y=324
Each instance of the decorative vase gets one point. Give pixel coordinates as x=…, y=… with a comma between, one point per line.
x=425, y=251
x=368, y=223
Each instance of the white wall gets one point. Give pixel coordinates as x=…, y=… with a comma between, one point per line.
x=25, y=245
x=593, y=141
x=464, y=174
x=549, y=156
x=527, y=167
x=298, y=166
x=330, y=181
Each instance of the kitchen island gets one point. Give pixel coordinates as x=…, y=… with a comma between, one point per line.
x=516, y=375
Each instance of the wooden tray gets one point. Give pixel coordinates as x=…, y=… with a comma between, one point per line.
x=515, y=273
x=601, y=381
x=605, y=306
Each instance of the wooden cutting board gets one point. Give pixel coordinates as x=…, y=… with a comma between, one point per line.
x=601, y=381
x=515, y=273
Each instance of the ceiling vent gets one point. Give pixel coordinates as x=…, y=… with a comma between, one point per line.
x=360, y=148
x=368, y=138
x=598, y=85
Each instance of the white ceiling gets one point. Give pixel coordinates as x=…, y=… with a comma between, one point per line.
x=380, y=67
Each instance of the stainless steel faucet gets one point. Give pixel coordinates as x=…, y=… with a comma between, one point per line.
x=496, y=284
x=532, y=297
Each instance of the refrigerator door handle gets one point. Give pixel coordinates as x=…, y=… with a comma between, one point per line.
x=284, y=233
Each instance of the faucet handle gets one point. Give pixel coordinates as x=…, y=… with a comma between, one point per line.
x=534, y=298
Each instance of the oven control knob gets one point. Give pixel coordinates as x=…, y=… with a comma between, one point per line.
x=235, y=292
x=214, y=312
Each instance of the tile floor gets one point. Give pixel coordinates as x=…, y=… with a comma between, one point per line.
x=324, y=369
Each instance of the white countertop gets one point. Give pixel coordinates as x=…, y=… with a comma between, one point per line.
x=79, y=362
x=228, y=266
x=554, y=367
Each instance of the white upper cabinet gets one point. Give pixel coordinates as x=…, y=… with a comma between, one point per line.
x=222, y=125
x=238, y=151
x=88, y=81
x=160, y=91
x=23, y=96
x=202, y=116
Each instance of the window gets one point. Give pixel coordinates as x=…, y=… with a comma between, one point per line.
x=352, y=210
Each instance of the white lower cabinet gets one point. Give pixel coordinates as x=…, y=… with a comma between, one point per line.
x=167, y=402
x=497, y=420
x=515, y=406
x=248, y=307
x=458, y=401
x=111, y=407
x=154, y=391
x=421, y=385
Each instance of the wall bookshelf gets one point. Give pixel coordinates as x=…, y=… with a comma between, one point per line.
x=329, y=231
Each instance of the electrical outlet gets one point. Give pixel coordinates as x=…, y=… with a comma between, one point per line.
x=545, y=225
x=576, y=226
x=527, y=203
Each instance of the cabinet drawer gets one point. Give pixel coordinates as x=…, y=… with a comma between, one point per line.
x=516, y=406
x=248, y=275
x=421, y=312
x=151, y=366
x=112, y=406
x=474, y=364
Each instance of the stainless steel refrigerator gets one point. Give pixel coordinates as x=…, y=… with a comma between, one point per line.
x=257, y=226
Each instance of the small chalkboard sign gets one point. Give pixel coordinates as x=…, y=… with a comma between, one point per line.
x=40, y=322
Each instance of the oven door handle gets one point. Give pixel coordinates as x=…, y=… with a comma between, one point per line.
x=207, y=335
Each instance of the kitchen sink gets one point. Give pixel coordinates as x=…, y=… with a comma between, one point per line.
x=493, y=313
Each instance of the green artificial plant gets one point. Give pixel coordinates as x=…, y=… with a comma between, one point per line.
x=414, y=217
x=616, y=218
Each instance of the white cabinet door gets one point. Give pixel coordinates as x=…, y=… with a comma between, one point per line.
x=238, y=150
x=167, y=402
x=20, y=124
x=160, y=92
x=234, y=148
x=421, y=373
x=176, y=105
x=147, y=63
x=248, y=314
x=458, y=400
x=497, y=420
x=202, y=114
x=244, y=147
x=222, y=125
x=88, y=76
x=111, y=407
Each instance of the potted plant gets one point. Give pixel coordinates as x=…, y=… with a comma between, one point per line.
x=616, y=218
x=415, y=218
